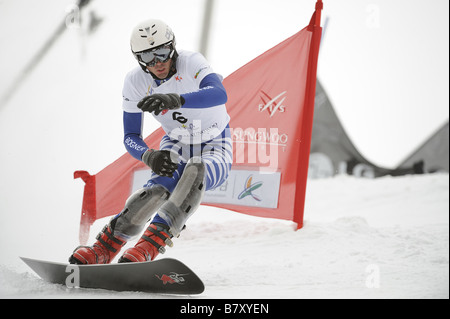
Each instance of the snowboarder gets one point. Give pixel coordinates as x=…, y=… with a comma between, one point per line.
x=184, y=94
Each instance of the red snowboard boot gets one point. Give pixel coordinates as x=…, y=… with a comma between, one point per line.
x=103, y=251
x=152, y=242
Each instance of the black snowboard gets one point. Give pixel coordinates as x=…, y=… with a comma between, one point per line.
x=166, y=276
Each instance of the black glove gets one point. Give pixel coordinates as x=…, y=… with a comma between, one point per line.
x=159, y=102
x=163, y=163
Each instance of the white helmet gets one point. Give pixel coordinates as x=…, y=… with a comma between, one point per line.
x=150, y=35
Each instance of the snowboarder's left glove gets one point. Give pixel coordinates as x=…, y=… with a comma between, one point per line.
x=158, y=102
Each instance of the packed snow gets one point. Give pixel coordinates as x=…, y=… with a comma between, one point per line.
x=362, y=238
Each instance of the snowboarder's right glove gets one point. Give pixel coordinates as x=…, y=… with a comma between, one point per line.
x=163, y=163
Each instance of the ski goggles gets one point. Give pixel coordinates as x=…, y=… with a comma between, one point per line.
x=151, y=57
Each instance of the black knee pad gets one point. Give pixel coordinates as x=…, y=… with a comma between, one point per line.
x=186, y=197
x=138, y=210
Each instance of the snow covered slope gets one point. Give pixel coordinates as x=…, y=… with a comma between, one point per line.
x=363, y=238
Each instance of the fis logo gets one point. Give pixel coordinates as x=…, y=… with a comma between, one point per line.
x=249, y=188
x=272, y=105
